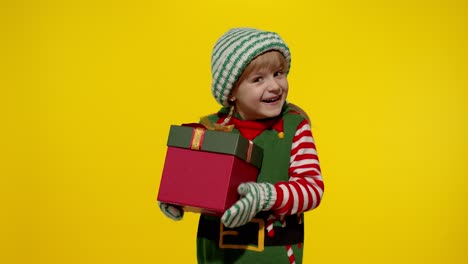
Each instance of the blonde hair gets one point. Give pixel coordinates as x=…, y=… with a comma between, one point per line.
x=270, y=60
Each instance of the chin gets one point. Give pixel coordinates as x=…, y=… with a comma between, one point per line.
x=271, y=114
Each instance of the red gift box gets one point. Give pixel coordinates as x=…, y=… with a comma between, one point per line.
x=203, y=169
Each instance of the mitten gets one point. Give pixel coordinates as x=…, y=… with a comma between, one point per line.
x=172, y=211
x=255, y=197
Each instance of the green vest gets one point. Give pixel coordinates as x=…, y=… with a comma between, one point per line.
x=216, y=244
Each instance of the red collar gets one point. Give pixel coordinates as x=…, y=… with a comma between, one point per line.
x=251, y=129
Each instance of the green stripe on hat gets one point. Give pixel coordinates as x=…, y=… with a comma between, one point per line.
x=224, y=42
x=239, y=60
x=234, y=51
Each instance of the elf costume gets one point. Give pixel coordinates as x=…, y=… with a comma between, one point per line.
x=218, y=244
x=265, y=225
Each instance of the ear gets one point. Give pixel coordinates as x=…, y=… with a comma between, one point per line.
x=233, y=95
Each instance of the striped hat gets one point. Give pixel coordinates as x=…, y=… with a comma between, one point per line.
x=234, y=51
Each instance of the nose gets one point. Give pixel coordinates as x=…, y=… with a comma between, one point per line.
x=273, y=85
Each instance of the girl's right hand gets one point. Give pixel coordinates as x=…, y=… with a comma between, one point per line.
x=174, y=212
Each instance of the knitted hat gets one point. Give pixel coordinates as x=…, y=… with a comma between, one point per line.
x=234, y=51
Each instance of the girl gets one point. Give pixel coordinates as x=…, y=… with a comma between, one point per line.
x=249, y=70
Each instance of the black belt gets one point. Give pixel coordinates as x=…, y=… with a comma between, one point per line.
x=248, y=234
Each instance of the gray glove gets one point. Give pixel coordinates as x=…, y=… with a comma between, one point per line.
x=174, y=212
x=255, y=197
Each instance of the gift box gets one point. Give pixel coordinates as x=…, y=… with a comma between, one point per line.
x=203, y=168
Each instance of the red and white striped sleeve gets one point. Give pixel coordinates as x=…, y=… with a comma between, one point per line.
x=305, y=187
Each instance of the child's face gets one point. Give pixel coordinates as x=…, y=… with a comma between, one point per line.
x=262, y=88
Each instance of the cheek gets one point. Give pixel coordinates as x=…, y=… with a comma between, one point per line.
x=250, y=93
x=252, y=97
x=285, y=87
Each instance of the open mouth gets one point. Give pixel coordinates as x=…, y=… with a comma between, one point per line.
x=272, y=100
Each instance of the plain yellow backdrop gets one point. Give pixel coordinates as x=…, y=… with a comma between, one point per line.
x=88, y=90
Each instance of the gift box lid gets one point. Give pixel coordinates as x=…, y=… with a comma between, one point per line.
x=215, y=141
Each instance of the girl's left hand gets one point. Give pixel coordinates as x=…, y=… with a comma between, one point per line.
x=255, y=197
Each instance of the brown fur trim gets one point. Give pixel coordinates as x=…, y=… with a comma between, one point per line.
x=299, y=110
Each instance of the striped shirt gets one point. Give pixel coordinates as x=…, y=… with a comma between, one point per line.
x=305, y=187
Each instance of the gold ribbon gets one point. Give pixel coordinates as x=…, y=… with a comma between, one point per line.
x=199, y=133
x=197, y=138
x=214, y=126
x=249, y=152
x=218, y=127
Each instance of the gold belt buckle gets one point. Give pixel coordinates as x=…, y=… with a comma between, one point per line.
x=261, y=237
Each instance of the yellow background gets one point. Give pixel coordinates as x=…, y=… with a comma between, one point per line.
x=88, y=90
